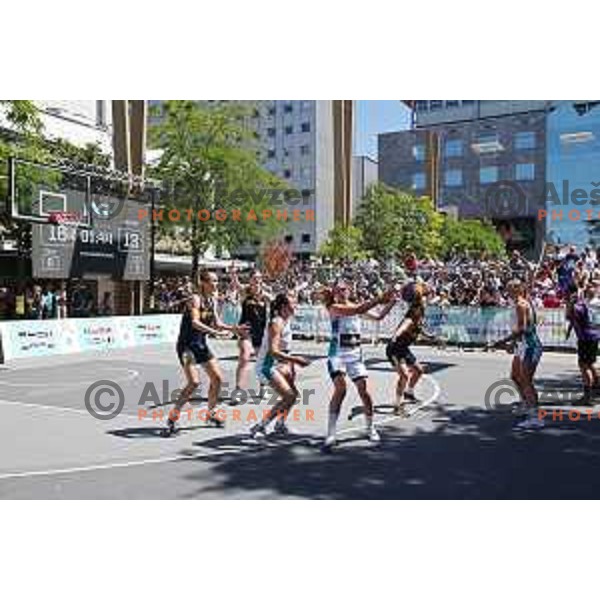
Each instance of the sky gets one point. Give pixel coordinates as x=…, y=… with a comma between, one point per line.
x=377, y=116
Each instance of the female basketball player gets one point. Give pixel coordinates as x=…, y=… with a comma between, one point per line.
x=527, y=353
x=276, y=365
x=199, y=320
x=398, y=349
x=579, y=319
x=255, y=303
x=345, y=354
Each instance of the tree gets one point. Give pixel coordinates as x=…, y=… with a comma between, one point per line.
x=344, y=243
x=23, y=138
x=471, y=236
x=210, y=160
x=393, y=221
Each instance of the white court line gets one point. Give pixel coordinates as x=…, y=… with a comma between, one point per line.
x=79, y=411
x=133, y=374
x=168, y=459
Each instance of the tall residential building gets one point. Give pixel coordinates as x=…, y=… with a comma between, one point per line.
x=298, y=146
x=476, y=158
x=297, y=136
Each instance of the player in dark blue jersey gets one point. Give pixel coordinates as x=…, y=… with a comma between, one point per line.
x=199, y=320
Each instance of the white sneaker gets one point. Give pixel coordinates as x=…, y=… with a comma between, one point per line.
x=329, y=443
x=530, y=422
x=257, y=432
x=373, y=435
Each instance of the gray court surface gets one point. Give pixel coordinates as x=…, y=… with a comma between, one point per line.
x=449, y=446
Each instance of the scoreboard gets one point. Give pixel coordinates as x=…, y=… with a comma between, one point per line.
x=114, y=242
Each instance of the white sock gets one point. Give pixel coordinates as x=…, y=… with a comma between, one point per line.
x=410, y=389
x=369, y=422
x=331, y=423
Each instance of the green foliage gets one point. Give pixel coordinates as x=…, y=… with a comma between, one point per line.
x=23, y=116
x=472, y=236
x=24, y=139
x=344, y=243
x=394, y=221
x=208, y=153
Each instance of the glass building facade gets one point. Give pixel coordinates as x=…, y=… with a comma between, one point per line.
x=573, y=174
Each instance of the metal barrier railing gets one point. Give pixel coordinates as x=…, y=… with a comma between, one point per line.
x=460, y=326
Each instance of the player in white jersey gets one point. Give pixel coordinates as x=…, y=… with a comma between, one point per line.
x=276, y=365
x=345, y=357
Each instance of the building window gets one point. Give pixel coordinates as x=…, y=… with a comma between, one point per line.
x=305, y=150
x=287, y=173
x=288, y=108
x=305, y=194
x=468, y=102
x=453, y=177
x=305, y=173
x=422, y=105
x=453, y=148
x=418, y=181
x=289, y=130
x=525, y=172
x=306, y=238
x=271, y=111
x=289, y=239
x=435, y=104
x=488, y=143
x=419, y=152
x=525, y=140
x=271, y=154
x=305, y=127
x=488, y=175
x=271, y=132
x=452, y=103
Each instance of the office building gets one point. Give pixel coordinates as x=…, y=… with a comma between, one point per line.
x=297, y=142
x=476, y=159
x=573, y=171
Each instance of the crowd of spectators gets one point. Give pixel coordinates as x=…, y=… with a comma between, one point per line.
x=462, y=280
x=53, y=300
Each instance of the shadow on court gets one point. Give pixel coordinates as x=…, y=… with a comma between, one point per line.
x=383, y=364
x=469, y=453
